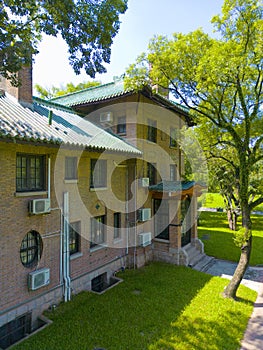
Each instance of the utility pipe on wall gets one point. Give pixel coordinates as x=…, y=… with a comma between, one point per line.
x=67, y=292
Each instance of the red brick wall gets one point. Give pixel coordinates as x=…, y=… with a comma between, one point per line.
x=23, y=92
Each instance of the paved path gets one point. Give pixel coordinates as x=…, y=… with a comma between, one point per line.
x=253, y=337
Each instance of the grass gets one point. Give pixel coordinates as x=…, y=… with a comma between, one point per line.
x=215, y=200
x=218, y=239
x=160, y=306
x=212, y=200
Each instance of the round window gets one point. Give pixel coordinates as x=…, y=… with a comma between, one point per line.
x=31, y=249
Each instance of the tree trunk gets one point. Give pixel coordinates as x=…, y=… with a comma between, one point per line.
x=232, y=219
x=231, y=289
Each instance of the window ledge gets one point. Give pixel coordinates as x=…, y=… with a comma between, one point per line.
x=30, y=194
x=76, y=256
x=98, y=247
x=72, y=181
x=117, y=240
x=94, y=189
x=161, y=240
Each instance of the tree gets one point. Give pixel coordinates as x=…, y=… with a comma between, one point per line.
x=63, y=90
x=87, y=26
x=221, y=80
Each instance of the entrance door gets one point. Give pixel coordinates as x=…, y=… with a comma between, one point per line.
x=161, y=219
x=186, y=221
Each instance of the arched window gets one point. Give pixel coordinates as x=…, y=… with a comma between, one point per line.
x=31, y=249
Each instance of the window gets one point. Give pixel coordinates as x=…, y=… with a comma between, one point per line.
x=30, y=172
x=173, y=174
x=97, y=231
x=71, y=168
x=121, y=127
x=31, y=249
x=173, y=137
x=74, y=237
x=152, y=131
x=117, y=225
x=15, y=330
x=152, y=173
x=98, y=174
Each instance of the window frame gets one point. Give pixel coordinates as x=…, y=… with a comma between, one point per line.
x=24, y=176
x=173, y=137
x=74, y=237
x=152, y=173
x=117, y=225
x=121, y=126
x=71, y=170
x=152, y=130
x=99, y=165
x=174, y=172
x=32, y=242
x=97, y=223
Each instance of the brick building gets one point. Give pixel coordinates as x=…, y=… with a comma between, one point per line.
x=57, y=236
x=91, y=182
x=152, y=123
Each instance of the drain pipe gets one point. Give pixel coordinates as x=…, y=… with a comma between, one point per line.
x=66, y=248
x=48, y=177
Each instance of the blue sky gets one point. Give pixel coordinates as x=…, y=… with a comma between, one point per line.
x=142, y=20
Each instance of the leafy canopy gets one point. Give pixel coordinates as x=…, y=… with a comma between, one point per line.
x=87, y=26
x=221, y=80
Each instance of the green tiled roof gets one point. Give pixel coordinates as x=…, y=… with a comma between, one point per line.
x=107, y=91
x=172, y=186
x=93, y=94
x=64, y=127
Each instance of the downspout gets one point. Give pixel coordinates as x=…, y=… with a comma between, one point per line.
x=127, y=210
x=66, y=248
x=61, y=219
x=135, y=213
x=48, y=177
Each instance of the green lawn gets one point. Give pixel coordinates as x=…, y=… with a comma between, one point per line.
x=218, y=239
x=160, y=306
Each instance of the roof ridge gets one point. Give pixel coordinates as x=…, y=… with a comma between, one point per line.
x=54, y=104
x=83, y=90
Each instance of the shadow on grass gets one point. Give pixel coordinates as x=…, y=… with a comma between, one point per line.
x=213, y=219
x=209, y=322
x=203, y=335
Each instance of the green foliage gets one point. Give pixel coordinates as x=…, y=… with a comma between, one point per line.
x=88, y=28
x=63, y=90
x=160, y=306
x=218, y=239
x=221, y=81
x=241, y=237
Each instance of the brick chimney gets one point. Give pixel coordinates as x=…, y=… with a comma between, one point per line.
x=23, y=92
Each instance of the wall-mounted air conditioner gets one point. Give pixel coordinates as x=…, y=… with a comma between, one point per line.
x=106, y=117
x=144, y=214
x=38, y=279
x=39, y=206
x=144, y=239
x=144, y=182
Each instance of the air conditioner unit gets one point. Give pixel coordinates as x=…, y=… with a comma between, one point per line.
x=39, y=206
x=144, y=182
x=38, y=279
x=144, y=239
x=144, y=214
x=106, y=117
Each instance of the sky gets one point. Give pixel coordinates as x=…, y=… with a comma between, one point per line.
x=142, y=20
